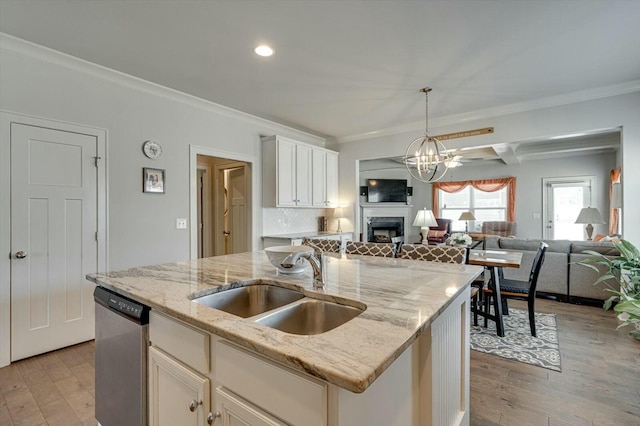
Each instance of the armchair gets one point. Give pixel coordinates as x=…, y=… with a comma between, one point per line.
x=502, y=228
x=440, y=233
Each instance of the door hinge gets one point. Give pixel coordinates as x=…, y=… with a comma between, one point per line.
x=96, y=235
x=95, y=159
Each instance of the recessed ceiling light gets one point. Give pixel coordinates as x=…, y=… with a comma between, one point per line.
x=263, y=50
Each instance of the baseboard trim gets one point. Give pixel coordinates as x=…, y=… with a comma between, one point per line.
x=575, y=300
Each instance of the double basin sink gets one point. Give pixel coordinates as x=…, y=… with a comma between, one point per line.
x=281, y=308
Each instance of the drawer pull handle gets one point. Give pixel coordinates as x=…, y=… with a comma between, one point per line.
x=193, y=405
x=211, y=417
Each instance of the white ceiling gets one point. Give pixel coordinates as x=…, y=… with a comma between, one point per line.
x=344, y=69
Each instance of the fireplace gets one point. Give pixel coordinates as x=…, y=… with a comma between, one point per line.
x=385, y=229
x=387, y=222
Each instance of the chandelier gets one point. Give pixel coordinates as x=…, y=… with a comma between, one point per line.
x=426, y=158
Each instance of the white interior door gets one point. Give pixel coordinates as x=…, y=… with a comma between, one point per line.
x=54, y=227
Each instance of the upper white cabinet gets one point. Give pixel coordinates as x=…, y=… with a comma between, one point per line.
x=295, y=174
x=325, y=178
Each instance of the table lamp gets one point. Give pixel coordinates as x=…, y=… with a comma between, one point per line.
x=424, y=219
x=338, y=213
x=467, y=216
x=589, y=215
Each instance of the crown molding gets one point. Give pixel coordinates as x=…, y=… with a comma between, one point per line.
x=39, y=52
x=552, y=101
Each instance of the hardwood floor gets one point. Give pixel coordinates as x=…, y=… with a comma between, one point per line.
x=56, y=388
x=599, y=383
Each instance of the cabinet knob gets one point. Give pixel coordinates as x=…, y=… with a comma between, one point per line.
x=193, y=405
x=21, y=254
x=211, y=417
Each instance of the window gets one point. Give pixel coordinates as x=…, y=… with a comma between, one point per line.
x=488, y=200
x=485, y=206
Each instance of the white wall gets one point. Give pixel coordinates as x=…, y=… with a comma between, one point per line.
x=43, y=83
x=613, y=112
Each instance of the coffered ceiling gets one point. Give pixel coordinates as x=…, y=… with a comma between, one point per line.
x=346, y=69
x=519, y=152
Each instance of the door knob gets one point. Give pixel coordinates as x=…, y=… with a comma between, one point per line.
x=21, y=254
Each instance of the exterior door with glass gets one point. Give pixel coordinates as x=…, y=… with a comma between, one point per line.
x=565, y=198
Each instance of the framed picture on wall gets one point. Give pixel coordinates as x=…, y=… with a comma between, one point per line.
x=153, y=180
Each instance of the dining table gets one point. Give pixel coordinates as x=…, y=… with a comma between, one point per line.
x=495, y=260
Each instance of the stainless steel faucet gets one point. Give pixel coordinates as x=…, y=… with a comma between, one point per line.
x=316, y=264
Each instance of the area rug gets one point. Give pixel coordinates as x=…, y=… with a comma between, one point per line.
x=518, y=344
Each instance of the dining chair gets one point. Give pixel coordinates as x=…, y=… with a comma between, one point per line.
x=522, y=290
x=443, y=254
x=371, y=249
x=476, y=285
x=320, y=245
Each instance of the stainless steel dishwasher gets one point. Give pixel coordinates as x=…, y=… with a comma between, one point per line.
x=122, y=339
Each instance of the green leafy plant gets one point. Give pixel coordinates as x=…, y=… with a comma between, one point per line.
x=626, y=271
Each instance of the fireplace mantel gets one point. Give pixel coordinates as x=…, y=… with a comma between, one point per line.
x=385, y=205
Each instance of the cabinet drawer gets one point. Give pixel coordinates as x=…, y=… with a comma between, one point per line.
x=288, y=395
x=183, y=342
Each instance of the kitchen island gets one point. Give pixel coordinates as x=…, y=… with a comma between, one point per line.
x=403, y=361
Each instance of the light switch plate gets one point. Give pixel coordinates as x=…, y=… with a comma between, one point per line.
x=181, y=223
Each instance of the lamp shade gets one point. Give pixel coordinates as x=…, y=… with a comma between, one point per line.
x=338, y=213
x=467, y=216
x=425, y=219
x=589, y=215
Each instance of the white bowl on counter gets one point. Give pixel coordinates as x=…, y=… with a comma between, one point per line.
x=277, y=254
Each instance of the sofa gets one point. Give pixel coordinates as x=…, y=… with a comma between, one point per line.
x=560, y=278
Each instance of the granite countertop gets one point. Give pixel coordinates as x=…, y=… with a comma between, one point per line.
x=402, y=298
x=305, y=234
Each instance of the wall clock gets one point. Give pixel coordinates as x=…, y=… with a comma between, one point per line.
x=152, y=149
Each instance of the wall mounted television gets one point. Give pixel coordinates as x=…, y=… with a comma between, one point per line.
x=386, y=190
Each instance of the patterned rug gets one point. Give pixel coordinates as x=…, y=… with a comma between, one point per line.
x=518, y=344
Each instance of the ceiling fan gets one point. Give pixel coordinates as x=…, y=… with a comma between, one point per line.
x=454, y=161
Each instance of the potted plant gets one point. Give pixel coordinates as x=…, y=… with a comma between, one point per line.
x=626, y=271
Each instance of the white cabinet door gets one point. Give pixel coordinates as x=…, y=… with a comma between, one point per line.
x=235, y=411
x=286, y=173
x=325, y=178
x=177, y=394
x=332, y=179
x=319, y=196
x=304, y=169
